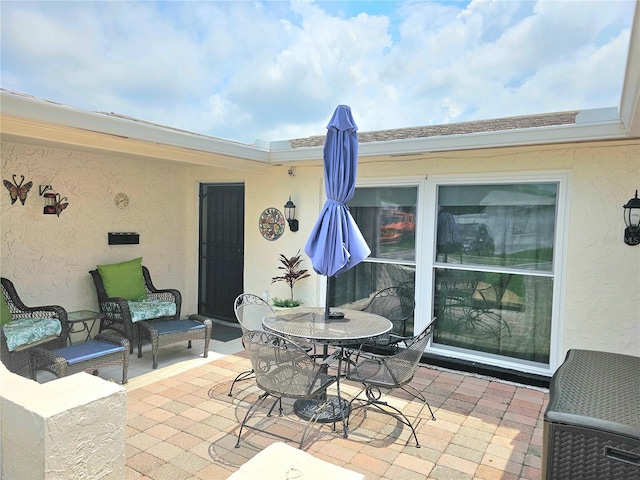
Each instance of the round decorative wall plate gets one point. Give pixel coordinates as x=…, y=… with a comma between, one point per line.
x=121, y=200
x=271, y=224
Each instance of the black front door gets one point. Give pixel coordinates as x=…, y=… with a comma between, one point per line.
x=221, y=249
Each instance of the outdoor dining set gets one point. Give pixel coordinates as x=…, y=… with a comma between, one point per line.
x=291, y=358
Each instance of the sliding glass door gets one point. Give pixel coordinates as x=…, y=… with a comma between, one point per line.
x=387, y=219
x=483, y=254
x=494, y=268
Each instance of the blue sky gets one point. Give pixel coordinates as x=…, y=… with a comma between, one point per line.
x=275, y=70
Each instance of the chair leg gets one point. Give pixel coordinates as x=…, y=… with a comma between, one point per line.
x=313, y=420
x=351, y=407
x=240, y=377
x=401, y=417
x=139, y=340
x=373, y=395
x=418, y=394
x=341, y=402
x=250, y=412
x=278, y=401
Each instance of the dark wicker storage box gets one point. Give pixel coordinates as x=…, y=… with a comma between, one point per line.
x=592, y=423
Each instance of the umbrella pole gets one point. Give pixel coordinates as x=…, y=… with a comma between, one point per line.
x=327, y=307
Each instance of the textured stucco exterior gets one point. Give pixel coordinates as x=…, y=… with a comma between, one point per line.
x=48, y=257
x=72, y=428
x=601, y=299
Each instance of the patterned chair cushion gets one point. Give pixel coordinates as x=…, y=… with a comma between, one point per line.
x=148, y=309
x=28, y=331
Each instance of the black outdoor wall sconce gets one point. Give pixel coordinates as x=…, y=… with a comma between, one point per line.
x=632, y=221
x=290, y=215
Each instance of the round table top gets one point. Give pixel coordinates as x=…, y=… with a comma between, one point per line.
x=310, y=324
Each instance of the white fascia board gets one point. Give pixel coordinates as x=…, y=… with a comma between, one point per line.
x=603, y=130
x=20, y=130
x=33, y=109
x=482, y=140
x=630, y=97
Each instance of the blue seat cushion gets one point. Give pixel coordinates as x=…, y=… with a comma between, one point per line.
x=149, y=309
x=26, y=331
x=81, y=352
x=176, y=326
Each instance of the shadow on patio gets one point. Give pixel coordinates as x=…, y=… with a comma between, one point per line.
x=181, y=424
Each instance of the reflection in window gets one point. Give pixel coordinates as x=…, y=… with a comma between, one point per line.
x=497, y=225
x=387, y=219
x=502, y=314
x=493, y=281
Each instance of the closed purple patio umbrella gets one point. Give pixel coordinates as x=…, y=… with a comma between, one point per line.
x=336, y=244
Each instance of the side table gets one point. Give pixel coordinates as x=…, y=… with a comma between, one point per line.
x=82, y=316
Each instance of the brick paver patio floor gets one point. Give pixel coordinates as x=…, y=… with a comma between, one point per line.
x=184, y=426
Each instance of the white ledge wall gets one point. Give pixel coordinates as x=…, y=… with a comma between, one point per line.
x=72, y=428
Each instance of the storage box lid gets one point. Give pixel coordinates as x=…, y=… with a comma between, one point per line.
x=598, y=390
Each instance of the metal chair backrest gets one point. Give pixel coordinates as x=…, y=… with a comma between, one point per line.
x=403, y=365
x=250, y=310
x=395, y=303
x=283, y=368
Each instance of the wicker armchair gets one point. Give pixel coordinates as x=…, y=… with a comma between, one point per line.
x=377, y=372
x=18, y=358
x=283, y=369
x=117, y=315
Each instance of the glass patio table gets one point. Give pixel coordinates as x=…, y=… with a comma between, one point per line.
x=310, y=324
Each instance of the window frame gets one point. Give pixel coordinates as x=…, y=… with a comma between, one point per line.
x=425, y=257
x=557, y=273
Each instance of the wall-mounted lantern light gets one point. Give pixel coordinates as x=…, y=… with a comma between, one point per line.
x=290, y=215
x=632, y=221
x=54, y=204
x=46, y=192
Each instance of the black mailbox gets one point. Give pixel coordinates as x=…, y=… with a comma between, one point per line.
x=124, y=238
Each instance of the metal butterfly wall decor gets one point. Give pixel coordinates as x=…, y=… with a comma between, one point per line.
x=18, y=190
x=61, y=204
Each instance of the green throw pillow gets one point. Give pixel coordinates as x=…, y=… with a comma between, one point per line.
x=5, y=314
x=124, y=279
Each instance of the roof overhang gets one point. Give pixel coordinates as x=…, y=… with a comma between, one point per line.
x=25, y=119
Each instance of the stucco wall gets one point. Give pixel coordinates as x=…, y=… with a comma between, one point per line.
x=48, y=257
x=602, y=282
x=306, y=189
x=73, y=428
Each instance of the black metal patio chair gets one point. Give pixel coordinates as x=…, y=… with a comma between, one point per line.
x=397, y=304
x=284, y=369
x=379, y=372
x=249, y=309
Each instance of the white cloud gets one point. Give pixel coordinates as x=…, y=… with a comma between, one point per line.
x=276, y=70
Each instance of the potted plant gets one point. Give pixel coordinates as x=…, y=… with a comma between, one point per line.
x=292, y=273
